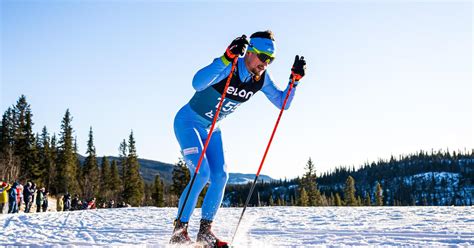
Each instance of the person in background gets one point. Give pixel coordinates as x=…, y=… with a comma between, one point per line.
x=12, y=196
x=45, y=201
x=60, y=203
x=75, y=205
x=39, y=200
x=4, y=187
x=28, y=196
x=19, y=196
x=111, y=203
x=84, y=204
x=67, y=202
x=33, y=189
x=91, y=204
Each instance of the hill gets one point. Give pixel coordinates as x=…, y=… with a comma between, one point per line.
x=150, y=168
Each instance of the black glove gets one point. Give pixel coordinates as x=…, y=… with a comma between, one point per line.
x=236, y=48
x=299, y=68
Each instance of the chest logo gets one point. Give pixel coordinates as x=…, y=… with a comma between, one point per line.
x=242, y=93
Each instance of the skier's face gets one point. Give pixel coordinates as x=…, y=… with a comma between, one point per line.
x=254, y=64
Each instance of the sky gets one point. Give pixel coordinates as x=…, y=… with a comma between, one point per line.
x=383, y=78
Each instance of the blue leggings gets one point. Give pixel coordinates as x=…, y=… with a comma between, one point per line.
x=192, y=136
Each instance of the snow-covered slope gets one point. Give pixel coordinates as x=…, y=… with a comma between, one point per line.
x=261, y=227
x=240, y=178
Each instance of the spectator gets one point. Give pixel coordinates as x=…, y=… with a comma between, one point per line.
x=12, y=196
x=84, y=204
x=33, y=187
x=67, y=202
x=60, y=204
x=28, y=196
x=75, y=203
x=45, y=201
x=19, y=196
x=39, y=200
x=91, y=204
x=4, y=187
x=111, y=203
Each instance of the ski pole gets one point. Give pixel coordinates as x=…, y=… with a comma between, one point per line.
x=264, y=156
x=234, y=63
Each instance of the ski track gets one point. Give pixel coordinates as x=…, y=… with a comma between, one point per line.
x=261, y=227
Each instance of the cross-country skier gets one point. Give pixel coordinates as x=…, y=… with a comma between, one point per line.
x=192, y=122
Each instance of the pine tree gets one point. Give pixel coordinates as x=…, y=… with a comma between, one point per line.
x=147, y=195
x=115, y=185
x=45, y=159
x=158, y=192
x=270, y=201
x=331, y=200
x=90, y=170
x=123, y=154
x=9, y=162
x=280, y=201
x=379, y=195
x=6, y=130
x=349, y=192
x=79, y=169
x=32, y=157
x=367, y=200
x=338, y=201
x=181, y=177
x=105, y=179
x=134, y=185
x=52, y=170
x=310, y=185
x=24, y=140
x=303, y=201
x=66, y=176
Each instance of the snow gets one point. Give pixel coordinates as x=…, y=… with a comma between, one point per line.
x=261, y=227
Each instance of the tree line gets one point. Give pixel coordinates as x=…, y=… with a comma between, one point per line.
x=52, y=161
x=421, y=179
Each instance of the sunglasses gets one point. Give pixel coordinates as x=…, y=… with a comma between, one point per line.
x=262, y=56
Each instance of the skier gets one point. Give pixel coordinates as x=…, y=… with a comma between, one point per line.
x=192, y=122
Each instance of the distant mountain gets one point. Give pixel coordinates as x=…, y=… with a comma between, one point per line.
x=239, y=178
x=150, y=168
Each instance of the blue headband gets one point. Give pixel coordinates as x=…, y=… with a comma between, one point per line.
x=264, y=45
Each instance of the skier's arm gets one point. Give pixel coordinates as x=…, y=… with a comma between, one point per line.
x=210, y=74
x=275, y=95
x=219, y=68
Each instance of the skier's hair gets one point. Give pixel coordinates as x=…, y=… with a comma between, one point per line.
x=267, y=34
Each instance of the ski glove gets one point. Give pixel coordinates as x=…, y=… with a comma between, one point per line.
x=236, y=48
x=299, y=68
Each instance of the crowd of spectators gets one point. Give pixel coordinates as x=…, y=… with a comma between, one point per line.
x=13, y=196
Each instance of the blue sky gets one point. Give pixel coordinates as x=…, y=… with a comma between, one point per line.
x=383, y=78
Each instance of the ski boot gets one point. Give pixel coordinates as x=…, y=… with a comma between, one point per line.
x=180, y=233
x=207, y=238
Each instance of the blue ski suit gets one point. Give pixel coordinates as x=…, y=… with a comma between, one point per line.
x=193, y=121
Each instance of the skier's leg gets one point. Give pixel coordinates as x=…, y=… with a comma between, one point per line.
x=190, y=141
x=215, y=192
x=218, y=177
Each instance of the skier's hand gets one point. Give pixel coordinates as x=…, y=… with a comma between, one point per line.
x=236, y=48
x=299, y=68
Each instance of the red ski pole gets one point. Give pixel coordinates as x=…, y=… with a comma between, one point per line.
x=216, y=116
x=264, y=155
